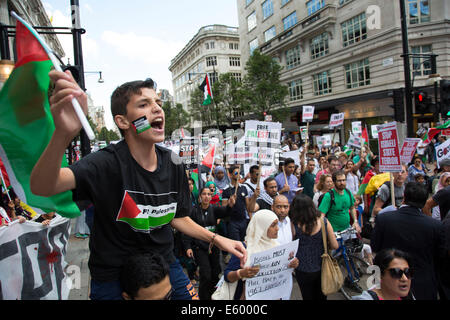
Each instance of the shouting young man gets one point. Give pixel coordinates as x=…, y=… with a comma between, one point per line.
x=138, y=192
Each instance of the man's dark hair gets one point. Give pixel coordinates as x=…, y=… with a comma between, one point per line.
x=141, y=271
x=332, y=158
x=336, y=174
x=232, y=168
x=415, y=194
x=268, y=180
x=121, y=96
x=253, y=168
x=288, y=161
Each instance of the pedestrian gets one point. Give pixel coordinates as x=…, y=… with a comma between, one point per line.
x=287, y=182
x=221, y=178
x=333, y=165
x=265, y=198
x=325, y=184
x=138, y=192
x=306, y=220
x=441, y=198
x=396, y=272
x=146, y=277
x=352, y=177
x=338, y=203
x=216, y=197
x=411, y=231
x=280, y=207
x=207, y=258
x=261, y=235
x=416, y=167
x=46, y=218
x=307, y=176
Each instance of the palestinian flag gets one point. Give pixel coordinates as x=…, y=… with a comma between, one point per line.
x=142, y=214
x=206, y=89
x=365, y=136
x=4, y=176
x=208, y=161
x=27, y=124
x=432, y=132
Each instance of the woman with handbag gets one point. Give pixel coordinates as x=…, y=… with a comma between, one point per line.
x=307, y=224
x=262, y=232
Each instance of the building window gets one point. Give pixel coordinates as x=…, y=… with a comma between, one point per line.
x=212, y=77
x=322, y=83
x=236, y=76
x=341, y=2
x=422, y=65
x=354, y=30
x=211, y=45
x=419, y=11
x=235, y=62
x=293, y=57
x=233, y=46
x=253, y=45
x=314, y=5
x=267, y=9
x=247, y=2
x=283, y=2
x=357, y=74
x=290, y=20
x=251, y=21
x=211, y=61
x=269, y=33
x=319, y=45
x=295, y=90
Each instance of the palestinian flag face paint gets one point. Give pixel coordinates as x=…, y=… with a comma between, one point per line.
x=141, y=124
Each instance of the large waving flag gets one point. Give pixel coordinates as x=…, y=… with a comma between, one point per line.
x=206, y=89
x=27, y=124
x=432, y=132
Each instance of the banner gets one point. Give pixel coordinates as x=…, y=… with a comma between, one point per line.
x=388, y=146
x=374, y=130
x=408, y=149
x=32, y=260
x=274, y=279
x=304, y=132
x=357, y=128
x=336, y=120
x=354, y=141
x=308, y=114
x=443, y=151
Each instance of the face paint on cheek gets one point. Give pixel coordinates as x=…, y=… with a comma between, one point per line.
x=141, y=124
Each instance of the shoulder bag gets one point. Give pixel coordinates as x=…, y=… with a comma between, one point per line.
x=225, y=290
x=331, y=277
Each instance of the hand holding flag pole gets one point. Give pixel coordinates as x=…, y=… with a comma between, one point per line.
x=81, y=116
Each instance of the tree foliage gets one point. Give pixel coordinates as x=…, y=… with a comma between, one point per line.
x=175, y=117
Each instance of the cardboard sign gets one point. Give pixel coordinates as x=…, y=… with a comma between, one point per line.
x=308, y=113
x=304, y=132
x=354, y=141
x=336, y=120
x=389, y=149
x=408, y=149
x=374, y=130
x=356, y=128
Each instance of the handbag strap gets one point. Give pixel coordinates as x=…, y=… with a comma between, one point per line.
x=324, y=235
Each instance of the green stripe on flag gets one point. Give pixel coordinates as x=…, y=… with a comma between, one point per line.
x=149, y=222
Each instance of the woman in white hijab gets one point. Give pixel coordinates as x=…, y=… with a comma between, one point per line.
x=262, y=232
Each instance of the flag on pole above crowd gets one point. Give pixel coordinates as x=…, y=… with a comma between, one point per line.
x=206, y=89
x=365, y=135
x=432, y=132
x=27, y=124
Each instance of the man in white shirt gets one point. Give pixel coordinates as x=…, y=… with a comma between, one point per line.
x=281, y=208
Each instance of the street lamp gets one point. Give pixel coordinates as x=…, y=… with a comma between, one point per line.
x=100, y=79
x=6, y=67
x=193, y=74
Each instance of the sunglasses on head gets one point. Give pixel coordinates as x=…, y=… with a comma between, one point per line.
x=398, y=273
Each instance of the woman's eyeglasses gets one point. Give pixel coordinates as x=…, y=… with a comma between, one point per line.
x=398, y=273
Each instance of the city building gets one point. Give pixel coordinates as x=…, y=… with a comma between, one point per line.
x=346, y=55
x=96, y=113
x=213, y=50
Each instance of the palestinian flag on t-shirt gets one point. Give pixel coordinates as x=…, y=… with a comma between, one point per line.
x=27, y=124
x=206, y=89
x=142, y=216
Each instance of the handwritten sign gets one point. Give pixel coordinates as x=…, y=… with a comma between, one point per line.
x=308, y=113
x=336, y=120
x=388, y=146
x=408, y=149
x=274, y=279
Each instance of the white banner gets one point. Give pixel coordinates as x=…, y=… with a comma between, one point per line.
x=274, y=279
x=32, y=260
x=443, y=151
x=336, y=119
x=354, y=141
x=357, y=128
x=308, y=113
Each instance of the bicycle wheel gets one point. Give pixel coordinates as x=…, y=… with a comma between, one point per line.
x=360, y=264
x=351, y=278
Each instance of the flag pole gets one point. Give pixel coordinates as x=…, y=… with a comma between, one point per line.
x=80, y=114
x=4, y=184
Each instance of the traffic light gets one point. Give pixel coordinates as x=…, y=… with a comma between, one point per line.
x=399, y=111
x=423, y=102
x=445, y=98
x=75, y=70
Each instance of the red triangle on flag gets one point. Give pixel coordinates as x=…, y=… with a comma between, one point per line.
x=129, y=209
x=27, y=46
x=209, y=158
x=365, y=135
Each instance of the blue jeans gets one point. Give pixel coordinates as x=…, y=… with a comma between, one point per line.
x=112, y=290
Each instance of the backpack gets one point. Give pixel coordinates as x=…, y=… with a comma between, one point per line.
x=332, y=202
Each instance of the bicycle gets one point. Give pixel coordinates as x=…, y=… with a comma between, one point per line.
x=348, y=257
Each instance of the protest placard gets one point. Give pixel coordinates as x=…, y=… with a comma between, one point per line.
x=354, y=141
x=336, y=120
x=374, y=130
x=308, y=113
x=356, y=128
x=443, y=151
x=408, y=149
x=274, y=279
x=388, y=147
x=304, y=132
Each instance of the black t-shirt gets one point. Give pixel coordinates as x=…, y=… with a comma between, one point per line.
x=442, y=197
x=239, y=210
x=263, y=204
x=133, y=206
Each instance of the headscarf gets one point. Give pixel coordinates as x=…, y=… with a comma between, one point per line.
x=221, y=184
x=256, y=237
x=440, y=184
x=216, y=197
